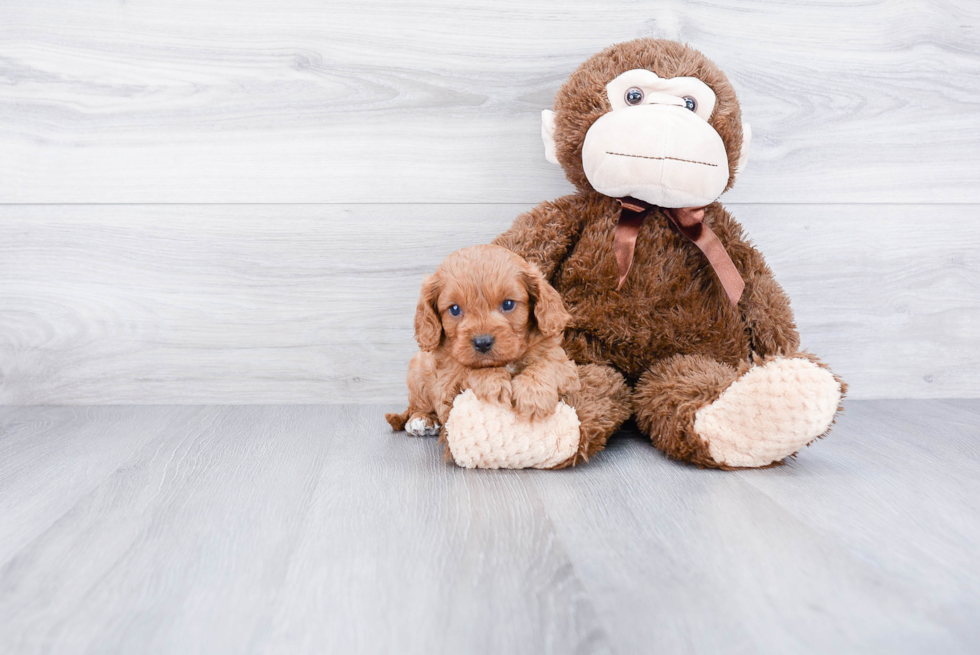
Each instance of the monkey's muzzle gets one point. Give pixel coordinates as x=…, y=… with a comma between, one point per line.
x=662, y=154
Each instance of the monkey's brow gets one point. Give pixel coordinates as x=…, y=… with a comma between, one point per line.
x=689, y=161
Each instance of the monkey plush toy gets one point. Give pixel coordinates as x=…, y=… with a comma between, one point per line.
x=676, y=319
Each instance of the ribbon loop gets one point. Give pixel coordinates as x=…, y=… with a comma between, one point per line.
x=689, y=221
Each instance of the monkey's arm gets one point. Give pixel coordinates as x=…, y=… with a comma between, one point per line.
x=764, y=303
x=768, y=314
x=544, y=235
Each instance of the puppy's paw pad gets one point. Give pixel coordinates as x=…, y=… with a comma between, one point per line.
x=422, y=427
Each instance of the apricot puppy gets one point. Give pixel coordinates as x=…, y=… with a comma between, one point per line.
x=487, y=320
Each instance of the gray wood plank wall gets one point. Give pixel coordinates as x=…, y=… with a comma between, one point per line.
x=235, y=201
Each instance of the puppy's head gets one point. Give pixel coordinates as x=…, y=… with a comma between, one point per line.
x=486, y=305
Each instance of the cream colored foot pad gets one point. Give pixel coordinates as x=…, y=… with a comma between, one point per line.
x=483, y=435
x=769, y=413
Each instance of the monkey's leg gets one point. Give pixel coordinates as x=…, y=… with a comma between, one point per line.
x=420, y=419
x=603, y=404
x=698, y=410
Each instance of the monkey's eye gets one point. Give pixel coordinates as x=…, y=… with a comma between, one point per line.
x=455, y=310
x=634, y=96
x=508, y=305
x=690, y=103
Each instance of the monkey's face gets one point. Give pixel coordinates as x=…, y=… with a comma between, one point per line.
x=673, y=137
x=656, y=144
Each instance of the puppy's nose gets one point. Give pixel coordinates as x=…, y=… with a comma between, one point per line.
x=483, y=343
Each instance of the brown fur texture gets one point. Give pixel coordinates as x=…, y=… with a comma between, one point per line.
x=671, y=331
x=525, y=367
x=670, y=393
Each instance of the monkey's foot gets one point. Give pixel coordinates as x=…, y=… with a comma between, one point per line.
x=422, y=425
x=487, y=435
x=769, y=413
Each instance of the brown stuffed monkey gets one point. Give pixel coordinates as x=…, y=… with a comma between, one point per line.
x=676, y=319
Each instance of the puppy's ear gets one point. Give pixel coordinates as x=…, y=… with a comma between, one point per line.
x=428, y=324
x=548, y=309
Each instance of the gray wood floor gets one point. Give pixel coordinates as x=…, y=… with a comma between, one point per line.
x=315, y=529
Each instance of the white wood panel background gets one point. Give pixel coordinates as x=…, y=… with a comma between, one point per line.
x=313, y=101
x=155, y=159
x=314, y=303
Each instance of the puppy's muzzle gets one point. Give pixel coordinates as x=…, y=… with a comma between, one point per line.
x=483, y=343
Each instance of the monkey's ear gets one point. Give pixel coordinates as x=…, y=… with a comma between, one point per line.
x=549, y=310
x=548, y=135
x=743, y=156
x=428, y=325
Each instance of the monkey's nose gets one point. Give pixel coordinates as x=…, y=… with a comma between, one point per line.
x=483, y=343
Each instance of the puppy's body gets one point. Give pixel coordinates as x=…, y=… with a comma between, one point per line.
x=487, y=321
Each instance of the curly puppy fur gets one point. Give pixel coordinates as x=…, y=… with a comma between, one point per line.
x=478, y=296
x=671, y=330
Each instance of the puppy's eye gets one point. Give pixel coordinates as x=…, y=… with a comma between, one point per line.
x=508, y=305
x=690, y=103
x=634, y=96
x=455, y=310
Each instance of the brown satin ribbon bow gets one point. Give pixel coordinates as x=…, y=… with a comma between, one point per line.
x=689, y=221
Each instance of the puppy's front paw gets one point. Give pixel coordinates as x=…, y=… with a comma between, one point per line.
x=534, y=401
x=491, y=385
x=422, y=425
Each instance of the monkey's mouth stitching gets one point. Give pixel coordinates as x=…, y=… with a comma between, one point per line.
x=689, y=161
